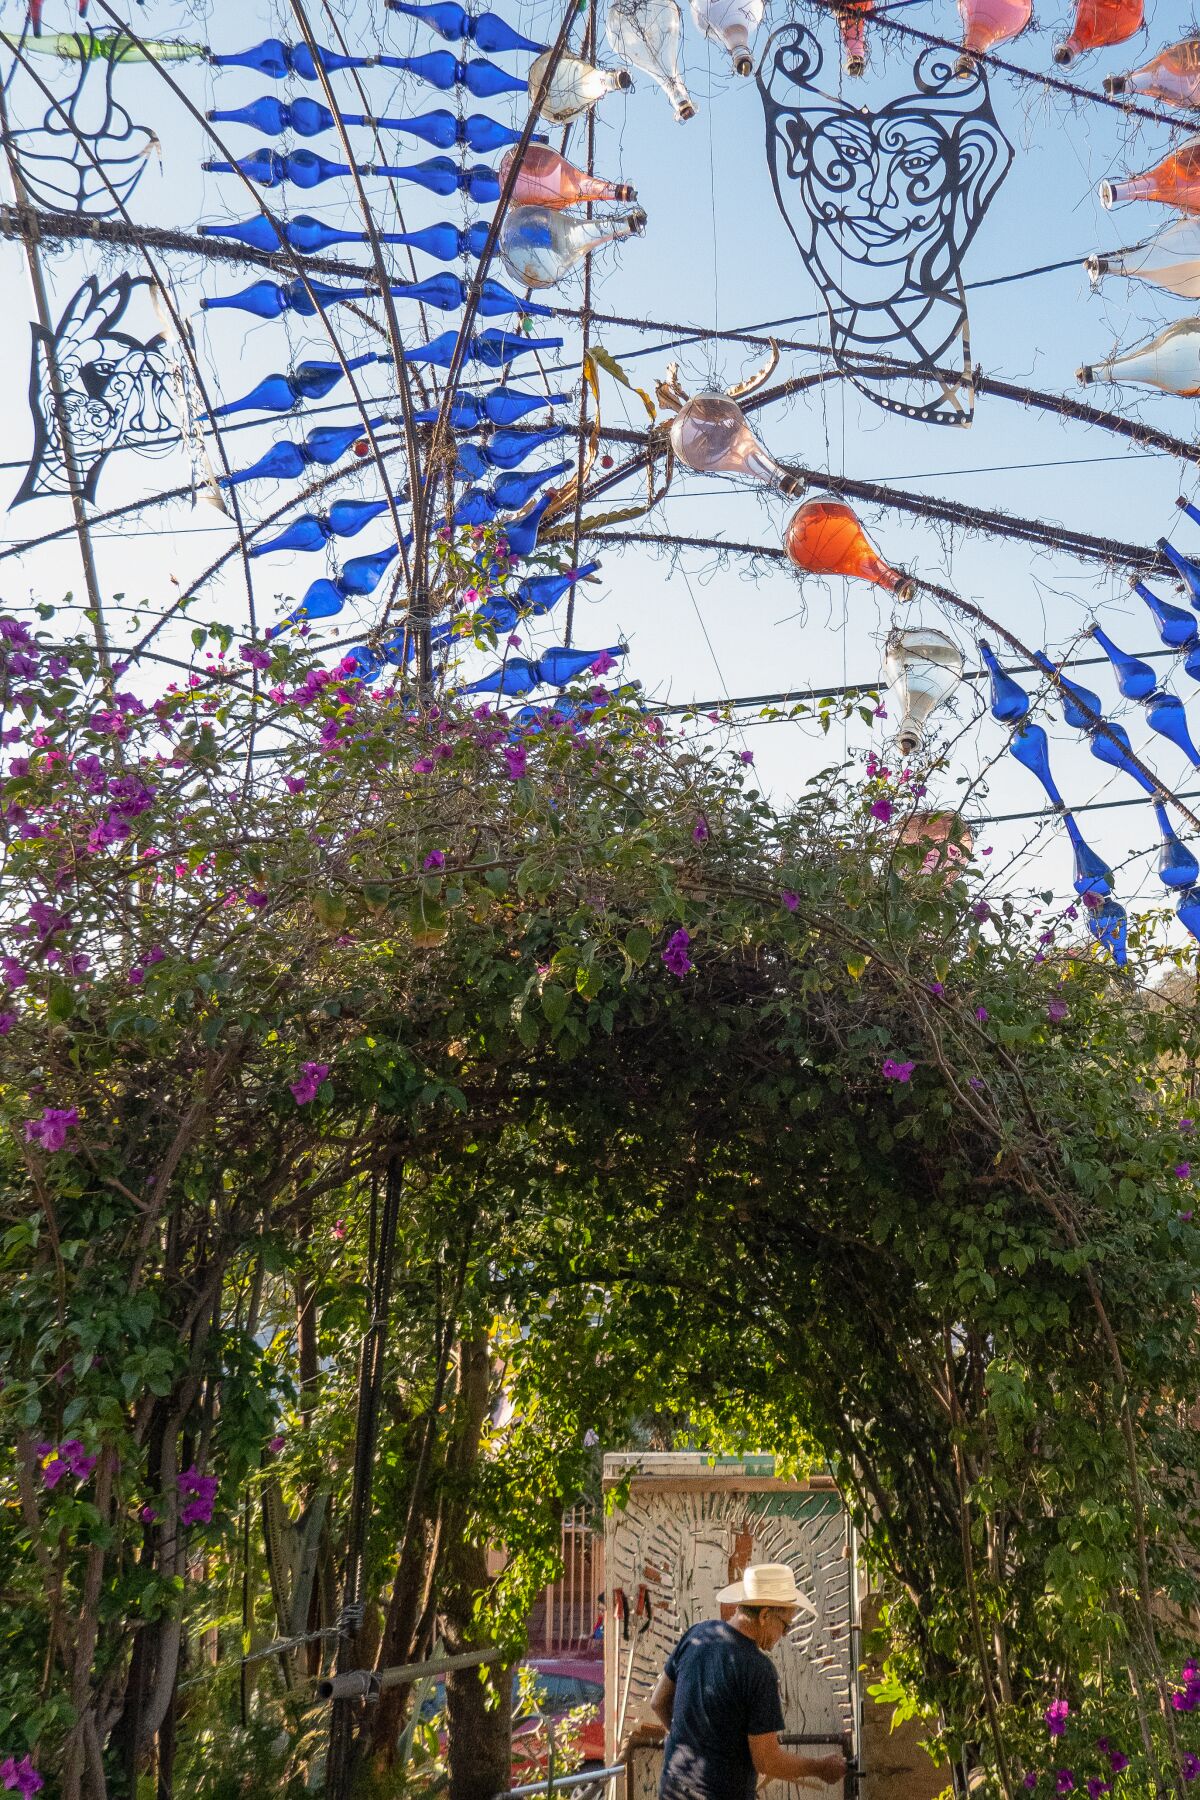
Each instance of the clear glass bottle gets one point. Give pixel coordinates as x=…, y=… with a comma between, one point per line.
x=1099, y=23
x=852, y=16
x=575, y=86
x=547, y=179
x=647, y=34
x=733, y=24
x=1172, y=76
x=1169, y=362
x=1170, y=261
x=538, y=246
x=711, y=436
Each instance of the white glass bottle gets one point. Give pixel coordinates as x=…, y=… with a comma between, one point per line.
x=575, y=85
x=1171, y=260
x=539, y=246
x=647, y=34
x=732, y=23
x=1169, y=362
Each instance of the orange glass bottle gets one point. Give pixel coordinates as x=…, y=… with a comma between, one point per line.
x=1099, y=23
x=852, y=16
x=1172, y=76
x=987, y=23
x=823, y=537
x=547, y=179
x=1175, y=181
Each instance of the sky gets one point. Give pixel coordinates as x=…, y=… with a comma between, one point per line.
x=716, y=255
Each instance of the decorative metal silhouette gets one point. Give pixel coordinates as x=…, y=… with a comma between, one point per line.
x=117, y=390
x=55, y=165
x=883, y=207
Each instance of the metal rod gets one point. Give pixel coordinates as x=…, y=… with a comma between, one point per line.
x=361, y=1684
x=583, y=1778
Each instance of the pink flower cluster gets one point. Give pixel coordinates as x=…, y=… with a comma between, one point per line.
x=304, y=1088
x=675, y=955
x=20, y=1777
x=202, y=1489
x=69, y=1459
x=50, y=1131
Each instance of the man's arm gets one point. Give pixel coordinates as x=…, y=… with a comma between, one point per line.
x=771, y=1760
x=662, y=1700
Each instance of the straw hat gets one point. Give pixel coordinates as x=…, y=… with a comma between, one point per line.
x=767, y=1584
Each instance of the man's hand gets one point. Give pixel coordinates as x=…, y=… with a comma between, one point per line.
x=645, y=1736
x=828, y=1768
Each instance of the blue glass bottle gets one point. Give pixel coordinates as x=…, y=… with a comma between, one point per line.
x=1191, y=661
x=512, y=491
x=1109, y=926
x=540, y=592
x=450, y=21
x=366, y=665
x=522, y=534
x=1187, y=911
x=442, y=70
x=322, y=600
x=497, y=612
x=1009, y=701
x=518, y=676
x=1166, y=714
x=266, y=167
x=273, y=117
x=557, y=666
x=276, y=59
x=259, y=233
x=282, y=462
x=286, y=459
x=1071, y=695
x=476, y=507
x=307, y=381
x=472, y=465
x=443, y=241
x=495, y=300
x=307, y=534
x=1135, y=678
x=505, y=405
x=363, y=574
x=1192, y=512
x=441, y=176
x=443, y=129
x=348, y=517
x=270, y=299
x=1177, y=867
x=1092, y=873
x=1184, y=567
x=509, y=449
x=492, y=348
x=1175, y=627
x=1117, y=754
x=1030, y=746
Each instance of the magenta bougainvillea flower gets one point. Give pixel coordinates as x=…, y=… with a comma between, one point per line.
x=675, y=955
x=897, y=1071
x=304, y=1088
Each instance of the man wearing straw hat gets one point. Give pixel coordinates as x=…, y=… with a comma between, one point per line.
x=718, y=1697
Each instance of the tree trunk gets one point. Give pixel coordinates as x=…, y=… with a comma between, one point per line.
x=480, y=1735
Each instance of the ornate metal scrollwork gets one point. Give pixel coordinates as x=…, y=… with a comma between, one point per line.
x=883, y=207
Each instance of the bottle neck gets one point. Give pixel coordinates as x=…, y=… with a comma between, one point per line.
x=1138, y=187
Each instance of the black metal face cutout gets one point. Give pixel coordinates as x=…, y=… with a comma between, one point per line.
x=116, y=390
x=58, y=171
x=882, y=207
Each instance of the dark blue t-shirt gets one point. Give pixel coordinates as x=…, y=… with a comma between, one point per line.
x=726, y=1692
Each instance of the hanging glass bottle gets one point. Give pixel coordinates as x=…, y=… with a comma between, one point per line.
x=1030, y=747
x=521, y=535
x=493, y=35
x=1175, y=181
x=1172, y=76
x=506, y=450
x=1187, y=571
x=823, y=537
x=1072, y=697
x=1170, y=362
x=1176, y=627
x=710, y=435
x=443, y=70
x=1177, y=867
x=851, y=17
x=1187, y=911
x=1009, y=701
x=1170, y=261
x=922, y=668
x=307, y=381
x=1098, y=24
x=277, y=60
x=547, y=179
x=1109, y=925
x=733, y=24
x=492, y=348
x=1166, y=714
x=575, y=86
x=1092, y=873
x=987, y=23
x=286, y=460
x=345, y=518
x=1135, y=678
x=647, y=34
x=538, y=246
x=1114, y=748
x=502, y=406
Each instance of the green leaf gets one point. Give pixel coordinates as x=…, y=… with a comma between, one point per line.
x=638, y=944
x=555, y=1001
